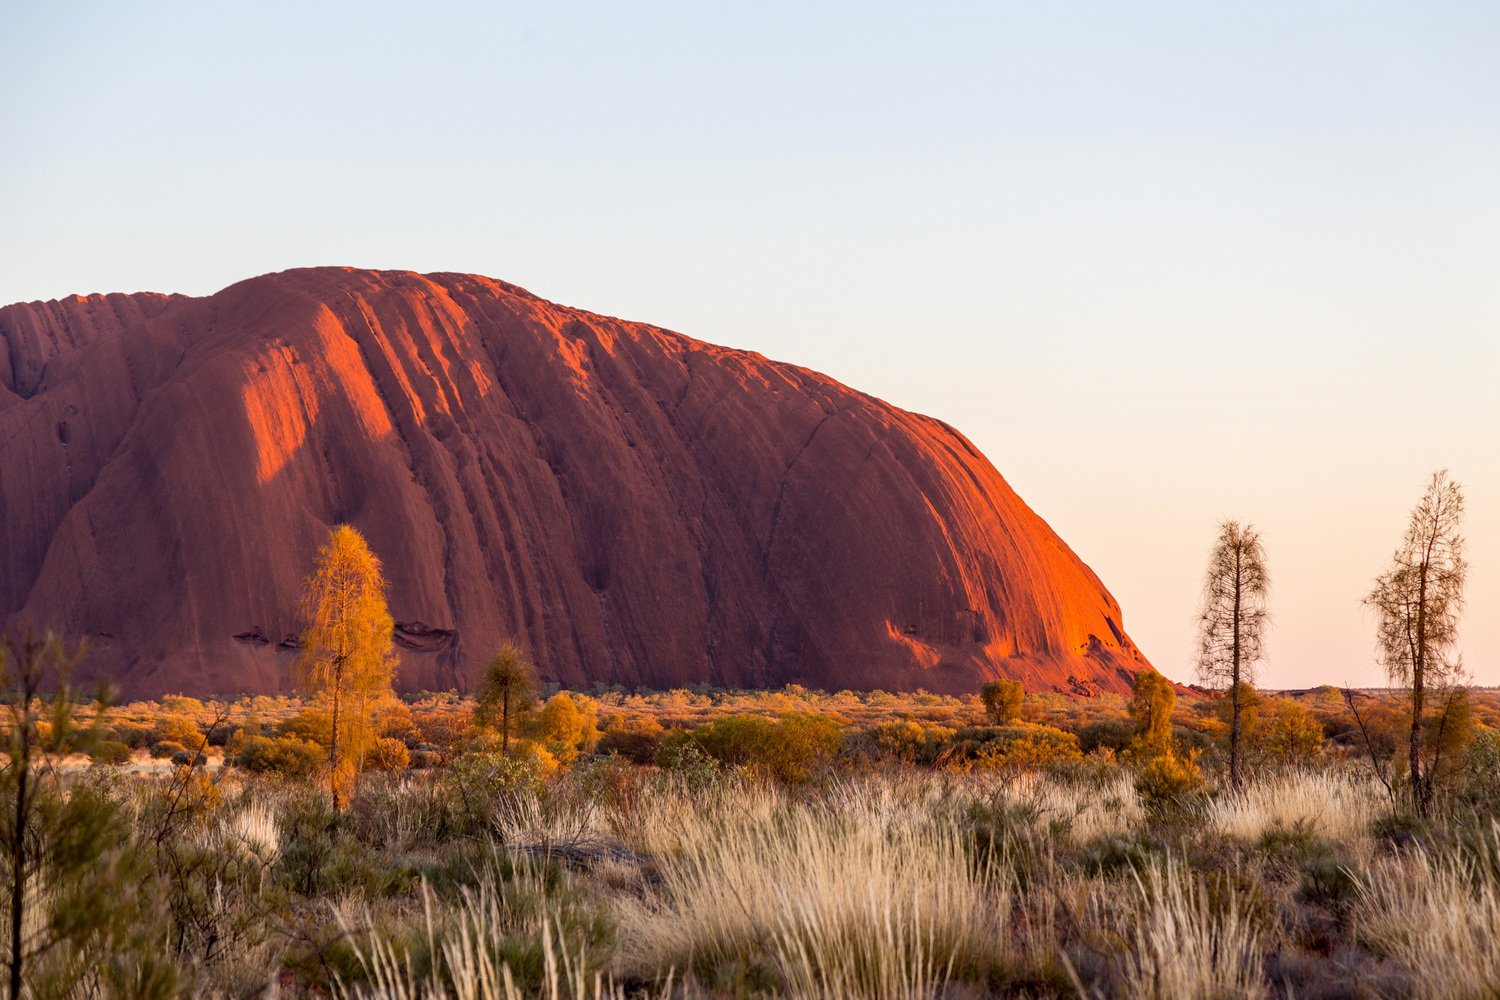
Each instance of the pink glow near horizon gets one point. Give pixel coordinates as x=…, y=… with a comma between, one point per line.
x=1165, y=263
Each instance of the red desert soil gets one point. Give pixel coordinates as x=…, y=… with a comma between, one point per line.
x=639, y=507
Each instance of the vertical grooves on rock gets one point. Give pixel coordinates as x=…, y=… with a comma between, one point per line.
x=639, y=506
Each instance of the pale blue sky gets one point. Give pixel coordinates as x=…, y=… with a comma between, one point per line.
x=1163, y=262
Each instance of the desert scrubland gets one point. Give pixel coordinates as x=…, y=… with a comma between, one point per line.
x=789, y=843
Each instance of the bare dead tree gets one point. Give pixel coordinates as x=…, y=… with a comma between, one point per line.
x=1233, y=621
x=1417, y=602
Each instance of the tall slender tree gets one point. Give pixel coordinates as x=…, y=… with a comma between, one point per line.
x=1417, y=602
x=348, y=657
x=1232, y=623
x=507, y=697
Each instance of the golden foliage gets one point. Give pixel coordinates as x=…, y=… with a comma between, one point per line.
x=1152, y=699
x=348, y=657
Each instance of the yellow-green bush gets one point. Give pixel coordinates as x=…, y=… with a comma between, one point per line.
x=788, y=749
x=1002, y=700
x=111, y=752
x=1023, y=747
x=1165, y=778
x=282, y=756
x=313, y=724
x=904, y=740
x=388, y=754
x=568, y=725
x=133, y=734
x=178, y=729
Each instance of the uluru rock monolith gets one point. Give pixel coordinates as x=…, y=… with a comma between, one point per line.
x=637, y=507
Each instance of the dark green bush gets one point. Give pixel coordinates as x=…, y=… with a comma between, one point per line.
x=1401, y=830
x=1329, y=880
x=167, y=750
x=1111, y=734
x=1114, y=855
x=1002, y=833
x=111, y=752
x=637, y=745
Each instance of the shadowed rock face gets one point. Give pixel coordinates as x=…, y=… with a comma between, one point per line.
x=639, y=507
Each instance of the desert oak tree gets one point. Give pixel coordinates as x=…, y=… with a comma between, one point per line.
x=1232, y=622
x=507, y=697
x=348, y=657
x=1417, y=602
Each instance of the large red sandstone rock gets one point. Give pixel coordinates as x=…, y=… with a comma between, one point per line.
x=639, y=507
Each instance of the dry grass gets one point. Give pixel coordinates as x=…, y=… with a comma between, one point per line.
x=867, y=892
x=1086, y=810
x=1334, y=805
x=877, y=877
x=469, y=968
x=1187, y=946
x=1440, y=918
x=870, y=887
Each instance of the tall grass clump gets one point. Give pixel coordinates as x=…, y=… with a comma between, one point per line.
x=851, y=896
x=1439, y=916
x=1087, y=810
x=1332, y=804
x=517, y=933
x=1183, y=942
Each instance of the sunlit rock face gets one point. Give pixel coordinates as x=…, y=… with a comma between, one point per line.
x=638, y=507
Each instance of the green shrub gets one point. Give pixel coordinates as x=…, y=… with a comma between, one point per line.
x=1480, y=776
x=1291, y=845
x=111, y=752
x=1004, y=833
x=136, y=735
x=314, y=725
x=904, y=740
x=1165, y=779
x=1002, y=700
x=1111, y=734
x=636, y=740
x=1329, y=880
x=789, y=749
x=477, y=781
x=167, y=749
x=180, y=730
x=180, y=704
x=802, y=745
x=282, y=756
x=683, y=757
x=739, y=740
x=1114, y=855
x=1027, y=747
x=1401, y=830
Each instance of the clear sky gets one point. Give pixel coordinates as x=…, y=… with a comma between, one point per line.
x=1165, y=263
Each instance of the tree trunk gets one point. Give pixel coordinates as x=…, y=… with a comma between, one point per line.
x=18, y=877
x=1418, y=670
x=1234, y=683
x=333, y=740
